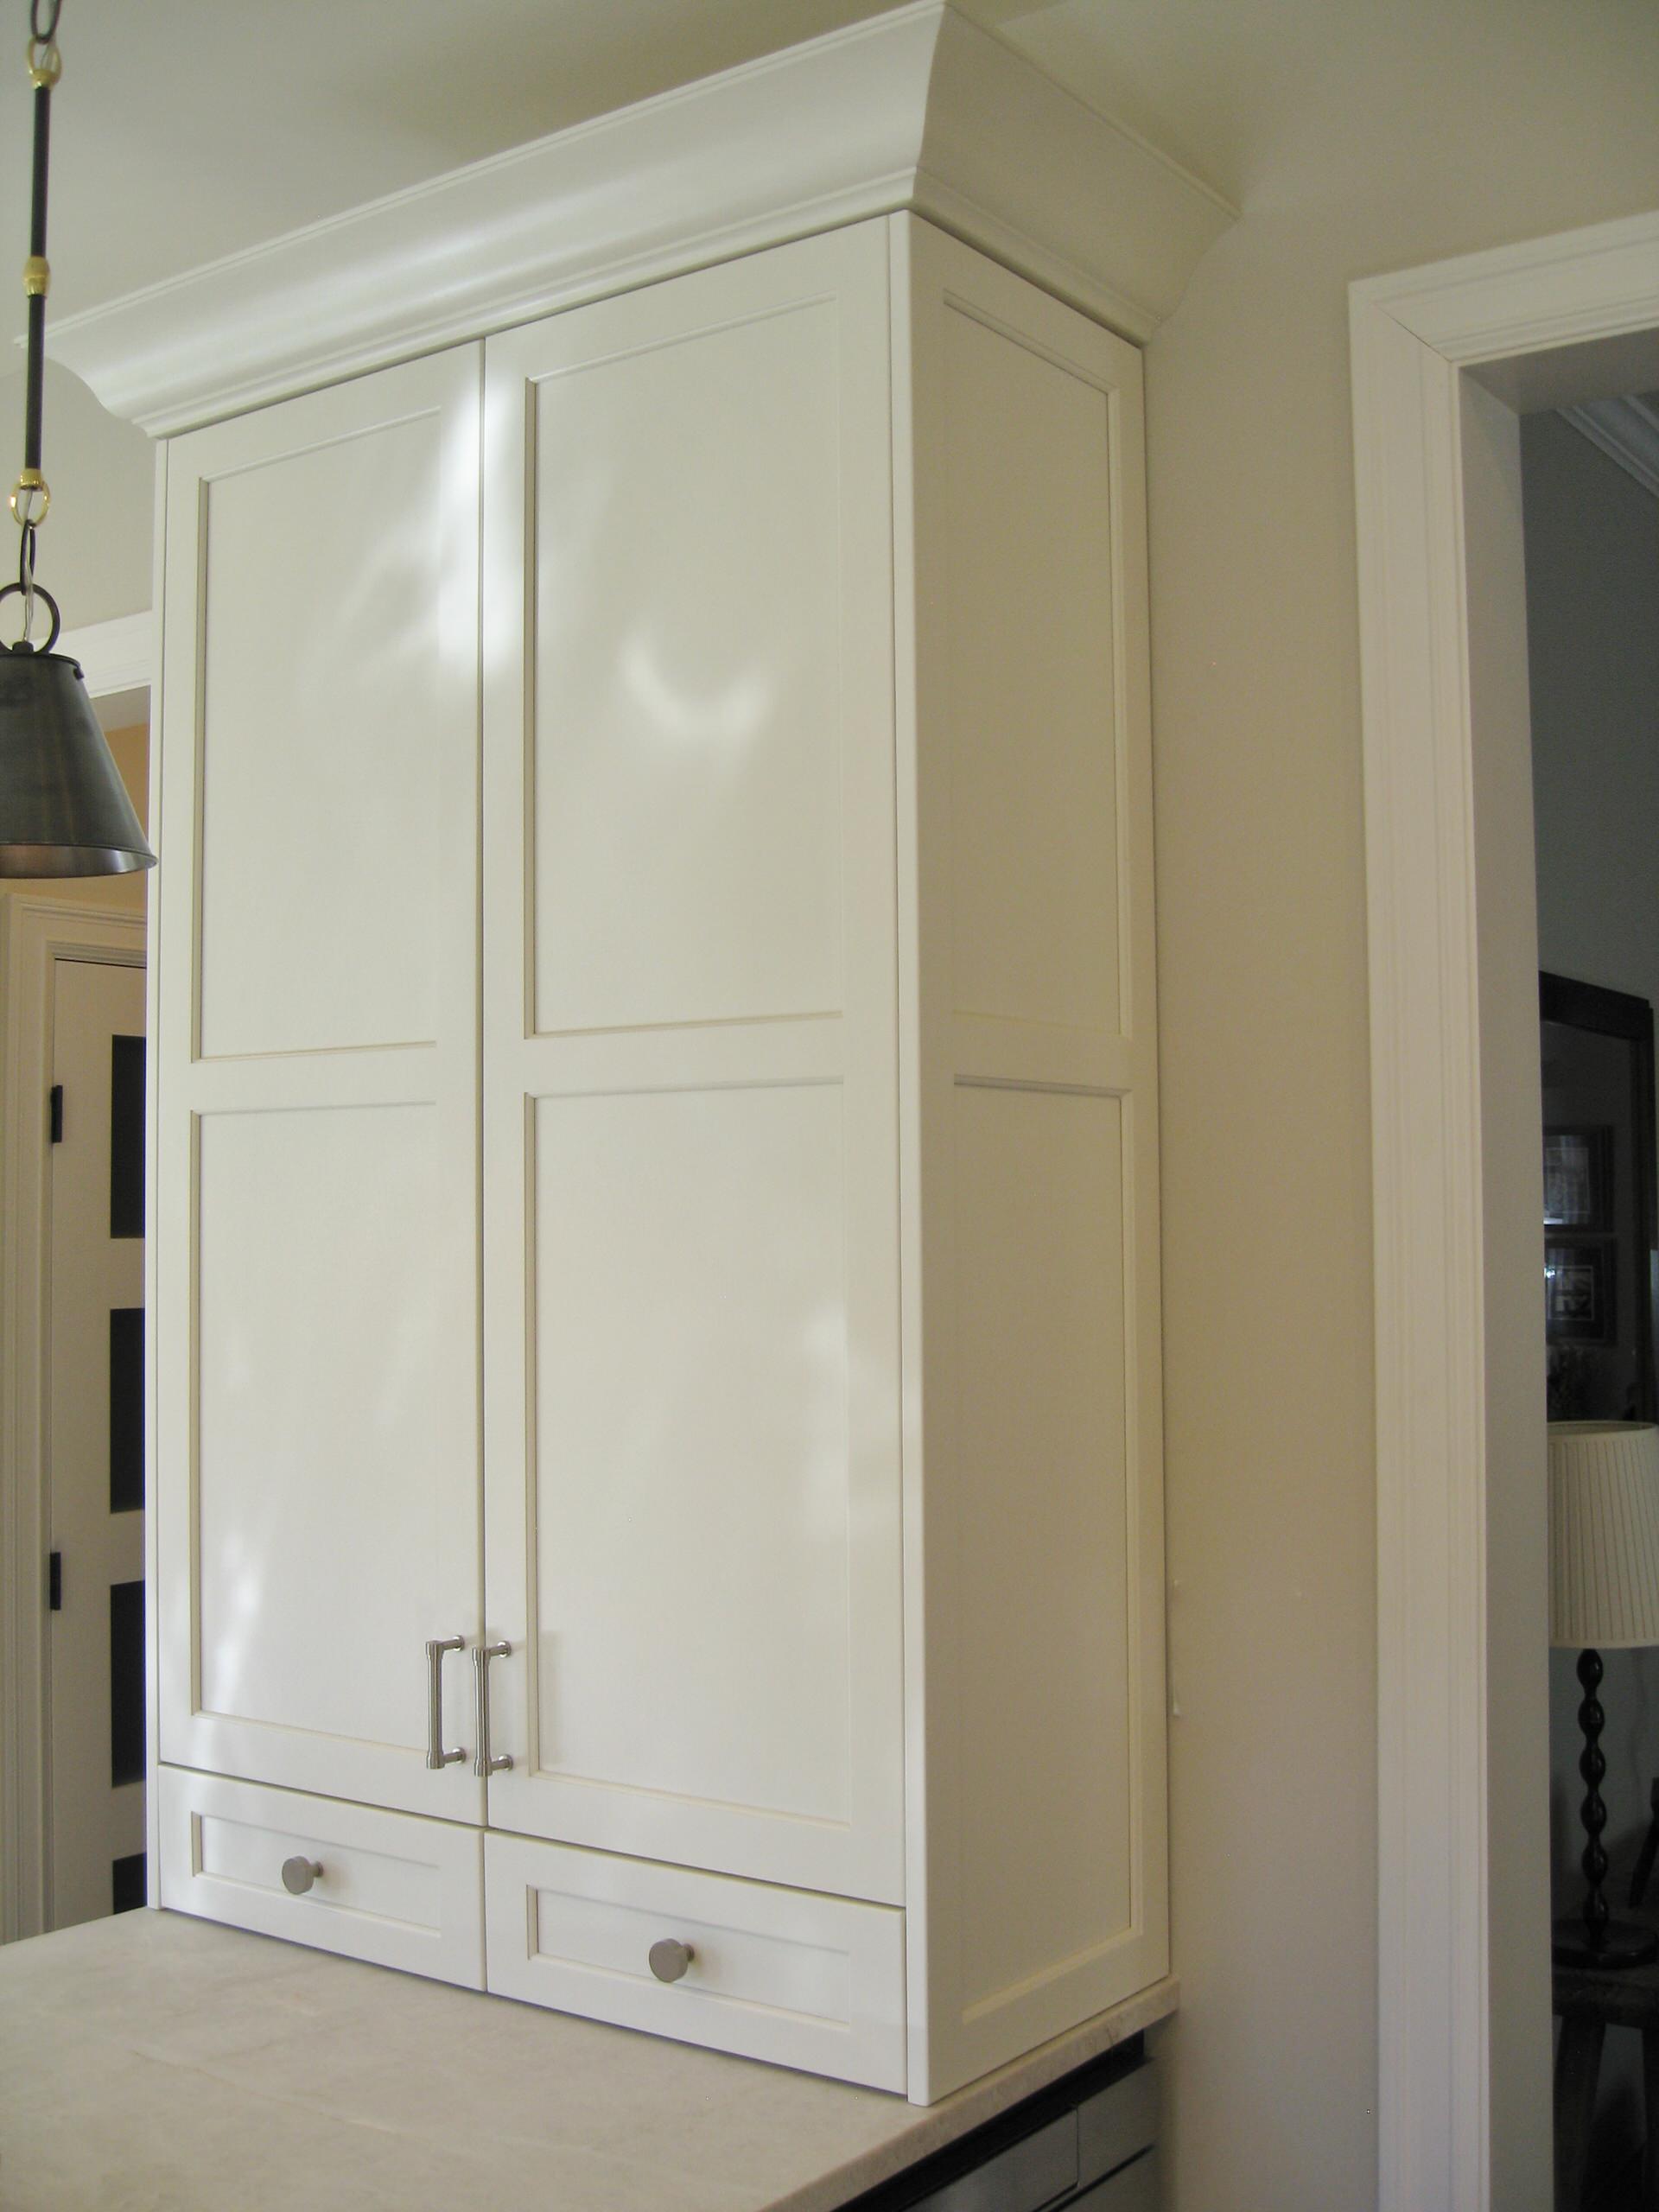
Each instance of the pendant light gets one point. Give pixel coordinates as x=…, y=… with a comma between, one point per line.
x=64, y=809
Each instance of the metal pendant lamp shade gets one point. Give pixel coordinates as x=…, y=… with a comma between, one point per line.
x=64, y=809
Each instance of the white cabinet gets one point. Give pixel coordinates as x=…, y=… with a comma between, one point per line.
x=809, y=1090
x=316, y=1309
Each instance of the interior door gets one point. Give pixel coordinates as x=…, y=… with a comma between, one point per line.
x=95, y=1443
x=691, y=1246
x=317, y=1393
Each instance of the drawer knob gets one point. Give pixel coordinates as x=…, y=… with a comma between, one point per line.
x=669, y=1958
x=298, y=1874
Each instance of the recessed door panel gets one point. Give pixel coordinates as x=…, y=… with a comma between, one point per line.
x=1028, y=520
x=1042, y=1424
x=688, y=690
x=326, y=1418
x=691, y=1502
x=323, y=730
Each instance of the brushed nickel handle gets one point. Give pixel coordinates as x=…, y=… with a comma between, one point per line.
x=298, y=1874
x=668, y=1958
x=487, y=1762
x=436, y=1757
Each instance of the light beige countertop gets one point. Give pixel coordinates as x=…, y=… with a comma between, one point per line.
x=154, y=2063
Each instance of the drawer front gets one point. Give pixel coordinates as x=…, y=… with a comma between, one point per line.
x=787, y=1975
x=391, y=1888
x=1132, y=2189
x=1028, y=2175
x=1117, y=2123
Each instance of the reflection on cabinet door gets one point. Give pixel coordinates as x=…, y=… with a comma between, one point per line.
x=691, y=1235
x=317, y=1399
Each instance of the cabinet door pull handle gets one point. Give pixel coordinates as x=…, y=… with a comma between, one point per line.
x=670, y=1958
x=298, y=1874
x=487, y=1762
x=436, y=1757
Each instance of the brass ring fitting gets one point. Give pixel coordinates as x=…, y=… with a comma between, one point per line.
x=45, y=62
x=30, y=482
x=37, y=277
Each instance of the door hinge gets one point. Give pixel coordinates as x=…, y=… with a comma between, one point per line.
x=54, y=1583
x=56, y=1113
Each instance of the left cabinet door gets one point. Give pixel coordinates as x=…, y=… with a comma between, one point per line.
x=317, y=1346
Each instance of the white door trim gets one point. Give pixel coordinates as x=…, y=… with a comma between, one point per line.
x=1411, y=335
x=116, y=656
x=33, y=933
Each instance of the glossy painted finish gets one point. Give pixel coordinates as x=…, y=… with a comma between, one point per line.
x=691, y=1185
x=811, y=1981
x=1037, y=1885
x=386, y=1887
x=317, y=1409
x=821, y=1493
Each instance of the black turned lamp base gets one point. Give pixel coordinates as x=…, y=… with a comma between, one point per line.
x=1619, y=1944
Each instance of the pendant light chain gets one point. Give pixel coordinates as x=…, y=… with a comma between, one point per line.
x=64, y=809
x=31, y=496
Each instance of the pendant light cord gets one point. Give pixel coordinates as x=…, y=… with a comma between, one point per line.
x=31, y=496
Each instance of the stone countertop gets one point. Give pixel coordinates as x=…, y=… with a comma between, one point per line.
x=156, y=2063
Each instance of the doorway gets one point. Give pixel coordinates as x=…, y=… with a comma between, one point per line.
x=1443, y=360
x=94, y=1443
x=72, y=1570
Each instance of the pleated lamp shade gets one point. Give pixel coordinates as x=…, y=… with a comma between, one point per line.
x=1604, y=1534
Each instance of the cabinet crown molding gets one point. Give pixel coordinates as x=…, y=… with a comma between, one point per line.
x=916, y=109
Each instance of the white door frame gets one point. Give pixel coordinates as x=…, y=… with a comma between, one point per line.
x=1413, y=335
x=116, y=659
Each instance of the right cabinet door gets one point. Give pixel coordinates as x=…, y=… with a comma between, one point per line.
x=693, y=1545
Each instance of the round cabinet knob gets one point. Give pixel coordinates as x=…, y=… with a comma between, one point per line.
x=298, y=1874
x=669, y=1958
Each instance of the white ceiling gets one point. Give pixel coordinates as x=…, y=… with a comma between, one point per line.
x=188, y=129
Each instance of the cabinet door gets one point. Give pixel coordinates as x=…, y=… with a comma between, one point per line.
x=691, y=1271
x=317, y=1329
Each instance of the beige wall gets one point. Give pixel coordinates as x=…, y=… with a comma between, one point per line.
x=95, y=548
x=1407, y=134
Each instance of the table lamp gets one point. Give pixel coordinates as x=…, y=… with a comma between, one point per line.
x=1604, y=1595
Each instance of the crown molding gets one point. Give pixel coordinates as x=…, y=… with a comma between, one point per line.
x=916, y=109
x=115, y=657
x=1627, y=430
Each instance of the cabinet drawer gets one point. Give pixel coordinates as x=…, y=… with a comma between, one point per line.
x=393, y=1888
x=1131, y=2189
x=1117, y=2124
x=782, y=1974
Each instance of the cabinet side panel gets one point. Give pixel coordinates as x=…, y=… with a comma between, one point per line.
x=1037, y=1806
x=1043, y=1540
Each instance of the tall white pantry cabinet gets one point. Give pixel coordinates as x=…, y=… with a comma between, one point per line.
x=655, y=1357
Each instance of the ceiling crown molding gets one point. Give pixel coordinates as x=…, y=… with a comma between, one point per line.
x=916, y=109
x=1627, y=430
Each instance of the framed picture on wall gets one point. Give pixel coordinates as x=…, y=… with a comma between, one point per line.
x=1580, y=1293
x=1599, y=1178
x=1579, y=1178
